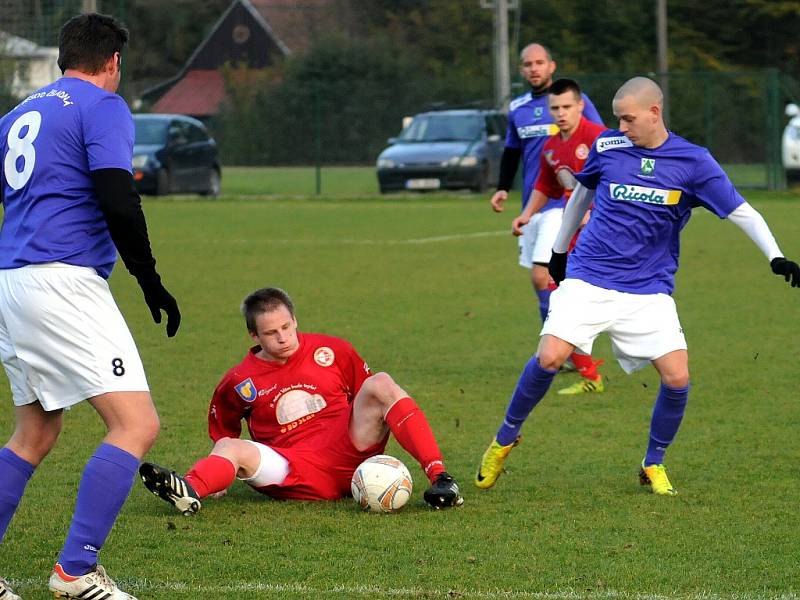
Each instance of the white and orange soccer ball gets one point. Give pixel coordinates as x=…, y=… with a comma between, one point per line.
x=381, y=484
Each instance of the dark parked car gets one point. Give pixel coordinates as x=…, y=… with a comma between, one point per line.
x=174, y=154
x=444, y=149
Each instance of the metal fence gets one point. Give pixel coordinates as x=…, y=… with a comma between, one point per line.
x=738, y=116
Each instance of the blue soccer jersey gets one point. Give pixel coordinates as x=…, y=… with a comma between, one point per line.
x=49, y=145
x=643, y=198
x=529, y=125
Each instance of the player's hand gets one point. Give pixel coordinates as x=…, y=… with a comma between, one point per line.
x=517, y=225
x=157, y=299
x=218, y=495
x=558, y=266
x=497, y=200
x=788, y=268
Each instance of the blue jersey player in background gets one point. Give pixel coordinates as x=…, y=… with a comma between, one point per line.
x=644, y=181
x=530, y=124
x=69, y=205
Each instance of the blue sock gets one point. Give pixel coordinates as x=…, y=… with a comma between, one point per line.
x=667, y=415
x=531, y=387
x=14, y=473
x=106, y=482
x=544, y=303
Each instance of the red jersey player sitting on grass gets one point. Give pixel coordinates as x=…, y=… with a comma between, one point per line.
x=563, y=155
x=314, y=411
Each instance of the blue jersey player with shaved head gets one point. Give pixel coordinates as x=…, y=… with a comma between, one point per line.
x=530, y=125
x=69, y=206
x=644, y=181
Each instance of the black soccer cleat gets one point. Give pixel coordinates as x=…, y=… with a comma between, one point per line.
x=170, y=487
x=444, y=492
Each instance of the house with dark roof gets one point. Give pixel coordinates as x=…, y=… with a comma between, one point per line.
x=251, y=35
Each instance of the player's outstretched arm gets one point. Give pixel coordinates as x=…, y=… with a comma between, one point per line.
x=578, y=204
x=756, y=228
x=122, y=208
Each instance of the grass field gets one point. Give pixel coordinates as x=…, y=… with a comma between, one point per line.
x=427, y=288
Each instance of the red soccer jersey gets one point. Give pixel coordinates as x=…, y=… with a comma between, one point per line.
x=561, y=159
x=286, y=404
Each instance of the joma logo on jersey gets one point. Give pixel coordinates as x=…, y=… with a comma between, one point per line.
x=609, y=143
x=648, y=166
x=531, y=131
x=636, y=193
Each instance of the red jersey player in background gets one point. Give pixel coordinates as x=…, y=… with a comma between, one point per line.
x=314, y=410
x=563, y=155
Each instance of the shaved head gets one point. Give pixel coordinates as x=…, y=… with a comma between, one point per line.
x=644, y=91
x=639, y=106
x=537, y=48
x=537, y=67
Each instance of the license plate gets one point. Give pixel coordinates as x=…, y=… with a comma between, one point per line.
x=423, y=184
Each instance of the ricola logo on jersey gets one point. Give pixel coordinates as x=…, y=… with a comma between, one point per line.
x=531, y=131
x=637, y=193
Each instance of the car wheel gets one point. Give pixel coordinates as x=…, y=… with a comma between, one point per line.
x=213, y=184
x=163, y=183
x=483, y=179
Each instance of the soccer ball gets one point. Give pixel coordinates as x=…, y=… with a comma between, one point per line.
x=381, y=484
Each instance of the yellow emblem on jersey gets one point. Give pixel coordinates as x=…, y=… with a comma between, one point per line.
x=247, y=390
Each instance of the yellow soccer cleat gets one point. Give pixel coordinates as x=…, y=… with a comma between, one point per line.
x=492, y=463
x=584, y=386
x=656, y=477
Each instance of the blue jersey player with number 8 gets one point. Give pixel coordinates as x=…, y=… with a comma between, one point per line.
x=644, y=181
x=69, y=206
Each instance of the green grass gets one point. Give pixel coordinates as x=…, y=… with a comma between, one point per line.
x=299, y=181
x=362, y=181
x=427, y=288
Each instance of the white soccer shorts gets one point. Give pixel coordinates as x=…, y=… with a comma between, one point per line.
x=538, y=237
x=272, y=470
x=642, y=327
x=62, y=337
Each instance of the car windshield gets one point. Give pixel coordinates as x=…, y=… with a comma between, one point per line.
x=150, y=131
x=443, y=128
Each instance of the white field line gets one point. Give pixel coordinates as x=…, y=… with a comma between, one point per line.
x=181, y=588
x=362, y=242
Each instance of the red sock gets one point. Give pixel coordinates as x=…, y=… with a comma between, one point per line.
x=409, y=425
x=586, y=366
x=211, y=474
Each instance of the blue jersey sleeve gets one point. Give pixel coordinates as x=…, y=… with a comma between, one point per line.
x=590, y=112
x=713, y=189
x=589, y=176
x=108, y=134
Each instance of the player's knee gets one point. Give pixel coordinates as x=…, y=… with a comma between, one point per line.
x=678, y=379
x=147, y=431
x=34, y=446
x=382, y=387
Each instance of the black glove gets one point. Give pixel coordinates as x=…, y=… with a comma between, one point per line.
x=787, y=268
x=158, y=298
x=558, y=266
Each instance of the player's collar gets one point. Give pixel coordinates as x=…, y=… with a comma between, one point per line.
x=536, y=94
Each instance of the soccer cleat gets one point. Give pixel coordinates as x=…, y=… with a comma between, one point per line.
x=492, y=463
x=94, y=585
x=584, y=386
x=6, y=593
x=170, y=487
x=443, y=492
x=656, y=477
